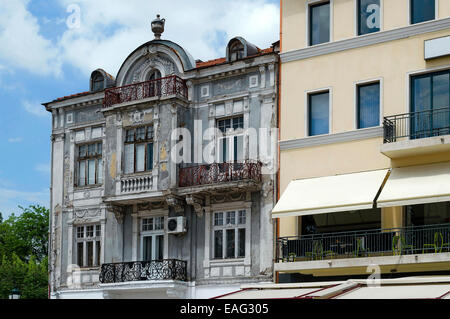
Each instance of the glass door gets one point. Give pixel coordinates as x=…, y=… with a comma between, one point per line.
x=430, y=101
x=152, y=247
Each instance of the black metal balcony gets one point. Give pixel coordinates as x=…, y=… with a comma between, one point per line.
x=167, y=269
x=365, y=243
x=415, y=125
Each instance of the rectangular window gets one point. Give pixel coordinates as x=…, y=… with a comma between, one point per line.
x=430, y=101
x=90, y=164
x=369, y=19
x=318, y=113
x=88, y=245
x=152, y=237
x=319, y=23
x=229, y=237
x=422, y=10
x=138, y=150
x=368, y=108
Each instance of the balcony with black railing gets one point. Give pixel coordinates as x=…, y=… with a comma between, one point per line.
x=218, y=173
x=167, y=86
x=430, y=239
x=167, y=269
x=416, y=133
x=417, y=125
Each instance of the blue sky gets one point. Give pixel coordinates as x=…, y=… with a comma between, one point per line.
x=44, y=55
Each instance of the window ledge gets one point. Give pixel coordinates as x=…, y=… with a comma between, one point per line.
x=79, y=188
x=227, y=262
x=359, y=134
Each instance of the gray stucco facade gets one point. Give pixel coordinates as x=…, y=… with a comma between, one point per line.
x=118, y=204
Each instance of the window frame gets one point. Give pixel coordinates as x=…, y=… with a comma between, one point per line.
x=356, y=101
x=97, y=158
x=410, y=15
x=357, y=18
x=307, y=109
x=146, y=141
x=96, y=238
x=152, y=233
x=313, y=3
x=231, y=133
x=224, y=227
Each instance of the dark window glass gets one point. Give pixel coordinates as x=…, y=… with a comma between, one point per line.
x=368, y=16
x=80, y=254
x=241, y=240
x=369, y=105
x=319, y=114
x=140, y=133
x=230, y=240
x=147, y=249
x=238, y=122
x=149, y=156
x=319, y=23
x=422, y=10
x=159, y=247
x=224, y=125
x=430, y=99
x=98, y=249
x=130, y=136
x=90, y=253
x=218, y=244
x=97, y=82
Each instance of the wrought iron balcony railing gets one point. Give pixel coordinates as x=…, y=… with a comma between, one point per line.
x=166, y=86
x=167, y=269
x=365, y=243
x=219, y=173
x=417, y=125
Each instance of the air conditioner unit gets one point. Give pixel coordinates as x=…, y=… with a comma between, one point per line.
x=176, y=225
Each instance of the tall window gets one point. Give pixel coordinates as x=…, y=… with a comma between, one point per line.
x=430, y=102
x=231, y=144
x=88, y=241
x=229, y=234
x=319, y=113
x=152, y=238
x=369, y=18
x=319, y=23
x=90, y=164
x=139, y=149
x=368, y=108
x=422, y=10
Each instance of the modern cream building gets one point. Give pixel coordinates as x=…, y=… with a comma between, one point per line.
x=364, y=139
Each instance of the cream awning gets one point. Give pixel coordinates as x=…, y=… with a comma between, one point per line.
x=330, y=194
x=416, y=185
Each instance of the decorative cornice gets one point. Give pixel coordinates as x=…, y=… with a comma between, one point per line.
x=197, y=203
x=176, y=202
x=365, y=40
x=355, y=135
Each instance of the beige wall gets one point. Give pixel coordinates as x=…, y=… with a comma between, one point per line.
x=394, y=15
x=391, y=62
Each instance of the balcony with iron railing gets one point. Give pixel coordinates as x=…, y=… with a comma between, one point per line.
x=162, y=87
x=415, y=133
x=167, y=269
x=219, y=173
x=430, y=239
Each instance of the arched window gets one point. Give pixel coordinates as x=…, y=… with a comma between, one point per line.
x=97, y=82
x=154, y=74
x=236, y=51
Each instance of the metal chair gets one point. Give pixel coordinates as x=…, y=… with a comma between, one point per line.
x=437, y=244
x=399, y=245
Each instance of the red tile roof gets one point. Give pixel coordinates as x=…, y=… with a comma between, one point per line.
x=224, y=60
x=73, y=95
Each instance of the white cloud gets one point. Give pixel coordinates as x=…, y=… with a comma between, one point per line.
x=11, y=198
x=22, y=45
x=110, y=30
x=43, y=168
x=15, y=140
x=35, y=108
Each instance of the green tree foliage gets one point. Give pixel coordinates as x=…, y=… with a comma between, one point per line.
x=23, y=253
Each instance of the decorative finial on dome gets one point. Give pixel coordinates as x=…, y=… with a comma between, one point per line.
x=158, y=27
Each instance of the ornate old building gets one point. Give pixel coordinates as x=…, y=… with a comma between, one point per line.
x=164, y=176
